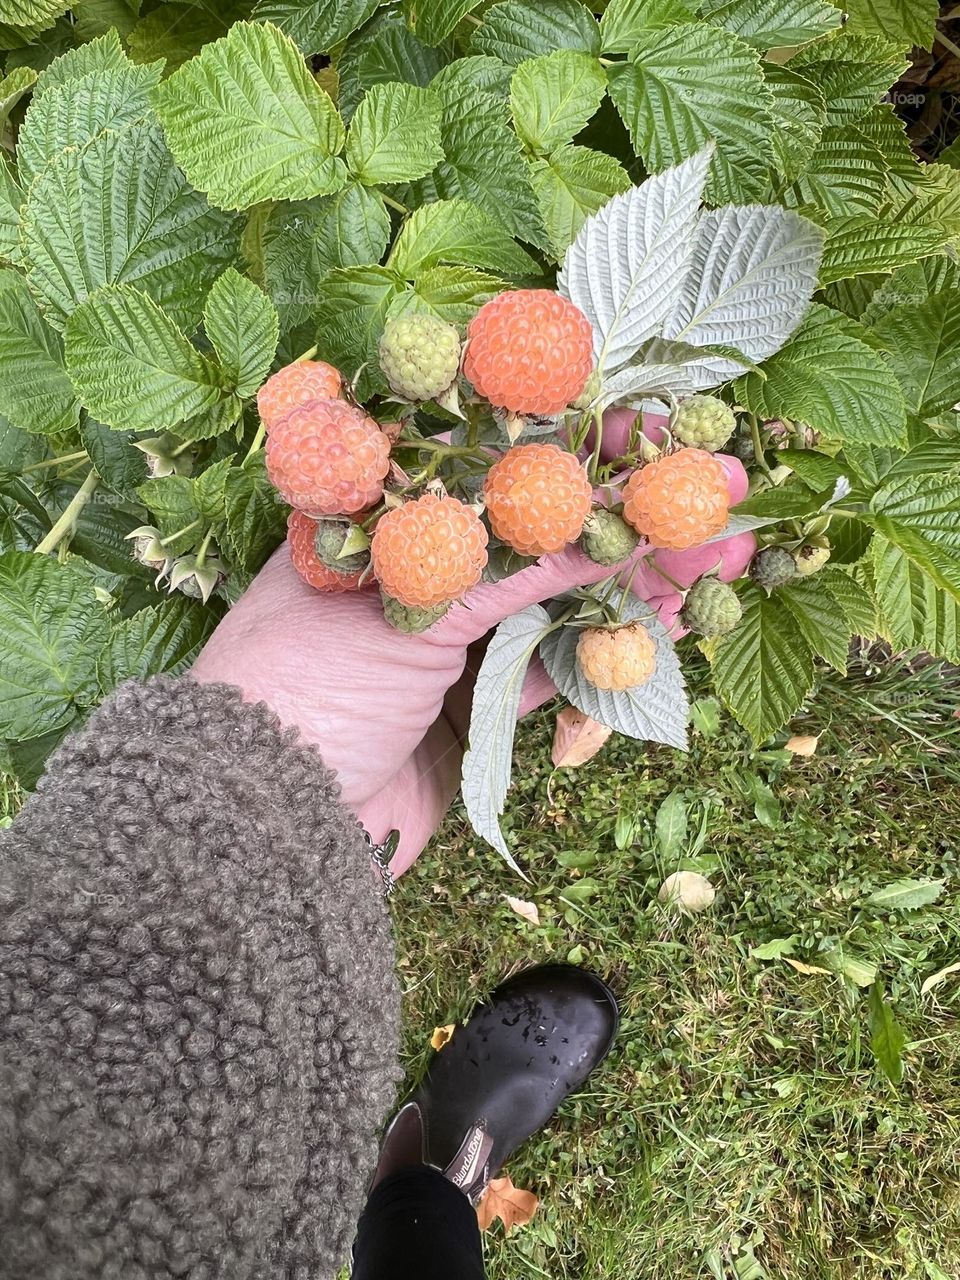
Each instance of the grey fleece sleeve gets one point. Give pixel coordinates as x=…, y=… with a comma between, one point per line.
x=199, y=1017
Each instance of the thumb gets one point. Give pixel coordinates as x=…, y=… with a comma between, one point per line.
x=487, y=605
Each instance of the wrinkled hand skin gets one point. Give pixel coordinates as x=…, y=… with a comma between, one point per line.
x=375, y=703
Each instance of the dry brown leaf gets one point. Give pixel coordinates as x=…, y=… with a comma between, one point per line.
x=442, y=1035
x=803, y=745
x=528, y=910
x=804, y=968
x=503, y=1200
x=576, y=738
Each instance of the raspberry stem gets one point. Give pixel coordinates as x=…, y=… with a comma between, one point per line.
x=179, y=533
x=67, y=521
x=257, y=443
x=202, y=553
x=54, y=462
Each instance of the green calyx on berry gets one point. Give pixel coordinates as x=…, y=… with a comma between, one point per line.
x=342, y=546
x=407, y=618
x=196, y=577
x=607, y=538
x=773, y=567
x=420, y=357
x=711, y=608
x=703, y=422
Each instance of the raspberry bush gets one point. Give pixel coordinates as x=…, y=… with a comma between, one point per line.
x=403, y=305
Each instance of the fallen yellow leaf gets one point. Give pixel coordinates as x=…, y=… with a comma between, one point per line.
x=803, y=745
x=503, y=1200
x=442, y=1035
x=527, y=910
x=577, y=738
x=805, y=968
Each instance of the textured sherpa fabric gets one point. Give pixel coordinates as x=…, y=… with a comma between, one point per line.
x=199, y=1017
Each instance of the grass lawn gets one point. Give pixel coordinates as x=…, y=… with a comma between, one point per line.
x=742, y=1127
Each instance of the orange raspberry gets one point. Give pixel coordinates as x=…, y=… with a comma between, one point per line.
x=529, y=351
x=301, y=536
x=617, y=658
x=296, y=385
x=537, y=497
x=429, y=551
x=328, y=458
x=678, y=501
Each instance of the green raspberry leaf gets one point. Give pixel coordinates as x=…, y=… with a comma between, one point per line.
x=433, y=20
x=914, y=612
x=922, y=344
x=919, y=516
x=73, y=114
x=764, y=669
x=454, y=294
x=853, y=72
x=845, y=175
x=901, y=22
x=118, y=463
x=571, y=185
x=11, y=198
x=171, y=502
x=521, y=29
x=386, y=50
x=318, y=25
x=685, y=86
x=165, y=32
x=624, y=21
x=103, y=54
x=861, y=245
x=493, y=722
x=395, y=134
x=829, y=377
x=553, y=97
x=51, y=629
x=304, y=241
x=38, y=14
x=656, y=711
x=132, y=367
x=483, y=163
x=12, y=88
x=799, y=114
x=242, y=325
x=166, y=637
x=773, y=24
x=820, y=617
x=35, y=392
x=247, y=121
x=353, y=311
x=256, y=518
x=119, y=211
x=458, y=233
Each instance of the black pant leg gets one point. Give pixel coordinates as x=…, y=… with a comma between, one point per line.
x=418, y=1226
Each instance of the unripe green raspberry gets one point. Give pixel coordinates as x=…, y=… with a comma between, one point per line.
x=811, y=558
x=704, y=422
x=409, y=619
x=420, y=356
x=607, y=538
x=328, y=542
x=711, y=608
x=773, y=567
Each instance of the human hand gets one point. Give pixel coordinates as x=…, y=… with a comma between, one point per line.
x=373, y=700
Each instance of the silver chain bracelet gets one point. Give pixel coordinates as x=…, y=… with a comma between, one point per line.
x=380, y=856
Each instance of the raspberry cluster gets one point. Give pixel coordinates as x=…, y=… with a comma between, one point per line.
x=414, y=515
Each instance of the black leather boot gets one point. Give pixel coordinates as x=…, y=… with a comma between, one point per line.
x=503, y=1075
